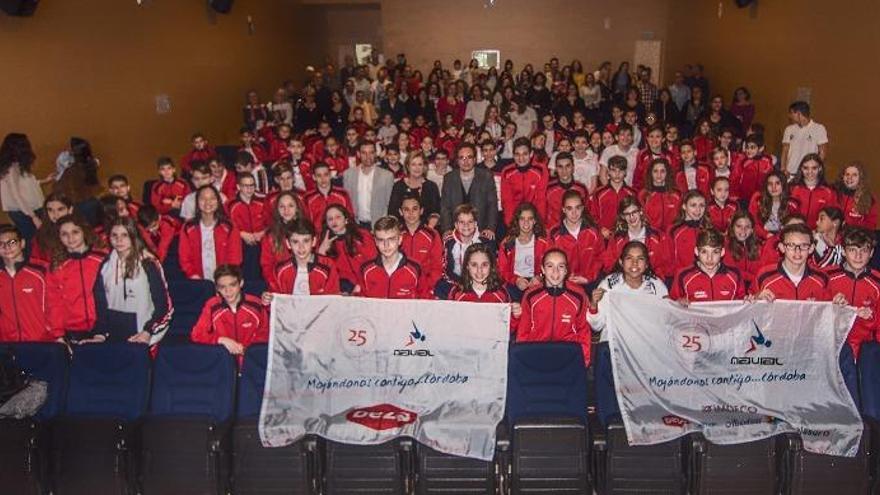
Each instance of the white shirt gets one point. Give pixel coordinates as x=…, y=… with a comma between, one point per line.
x=690, y=174
x=365, y=195
x=458, y=253
x=795, y=279
x=301, y=286
x=524, y=259
x=614, y=283
x=802, y=141
x=209, y=252
x=630, y=159
x=390, y=270
x=476, y=111
x=585, y=169
x=523, y=121
x=127, y=295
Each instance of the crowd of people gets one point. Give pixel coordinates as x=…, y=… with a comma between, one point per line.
x=542, y=189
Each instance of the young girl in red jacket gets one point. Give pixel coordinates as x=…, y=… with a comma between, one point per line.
x=743, y=249
x=691, y=220
x=654, y=150
x=520, y=253
x=580, y=240
x=348, y=244
x=632, y=225
x=232, y=318
x=772, y=205
x=75, y=266
x=723, y=166
x=419, y=242
x=273, y=247
x=810, y=190
x=46, y=240
x=693, y=174
x=721, y=208
x=708, y=278
x=307, y=273
x=704, y=140
x=24, y=304
x=556, y=310
x=480, y=280
x=855, y=199
x=208, y=240
x=660, y=199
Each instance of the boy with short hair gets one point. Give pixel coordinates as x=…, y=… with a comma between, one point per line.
x=603, y=204
x=391, y=275
x=624, y=147
x=201, y=151
x=157, y=231
x=306, y=273
x=708, y=279
x=693, y=175
x=247, y=212
x=324, y=194
x=419, y=242
x=524, y=182
x=118, y=186
x=244, y=164
x=755, y=167
x=232, y=318
x=463, y=235
x=854, y=283
x=792, y=278
x=23, y=309
x=563, y=182
x=168, y=192
x=250, y=145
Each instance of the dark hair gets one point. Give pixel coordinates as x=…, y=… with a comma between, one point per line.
x=83, y=157
x=107, y=212
x=244, y=158
x=60, y=254
x=147, y=214
x=138, y=247
x=795, y=228
x=624, y=127
x=834, y=213
x=301, y=226
x=47, y=236
x=800, y=107
x=756, y=139
x=586, y=219
x=277, y=227
x=853, y=236
x=227, y=271
x=513, y=228
x=117, y=178
x=649, y=176
x=765, y=201
x=351, y=235
x=747, y=249
x=618, y=162
x=862, y=197
x=810, y=157
x=620, y=225
x=705, y=222
x=471, y=147
x=618, y=265
x=8, y=228
x=493, y=282
x=711, y=238
x=564, y=155
x=522, y=141
x=16, y=148
x=219, y=215
x=164, y=160
x=387, y=222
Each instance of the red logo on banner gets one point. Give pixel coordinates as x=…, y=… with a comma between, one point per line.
x=381, y=417
x=675, y=421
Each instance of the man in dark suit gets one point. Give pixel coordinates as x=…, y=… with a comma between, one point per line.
x=468, y=184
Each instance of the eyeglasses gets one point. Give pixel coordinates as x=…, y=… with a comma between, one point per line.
x=797, y=248
x=632, y=213
x=11, y=243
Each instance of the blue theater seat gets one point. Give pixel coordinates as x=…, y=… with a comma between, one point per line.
x=185, y=435
x=188, y=298
x=95, y=441
x=547, y=413
x=257, y=469
x=24, y=444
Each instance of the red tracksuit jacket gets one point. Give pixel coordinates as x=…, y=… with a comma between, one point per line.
x=697, y=286
x=813, y=286
x=425, y=247
x=683, y=238
x=323, y=279
x=507, y=258
x=520, y=185
x=404, y=283
x=659, y=252
x=494, y=296
x=193, y=155
x=163, y=193
x=159, y=241
x=735, y=180
x=604, y=203
x=248, y=217
x=557, y=314
x=643, y=162
x=584, y=253
x=747, y=268
x=270, y=258
x=227, y=246
x=813, y=200
x=316, y=203
x=852, y=217
x=24, y=312
x=72, y=307
x=661, y=207
x=754, y=171
x=862, y=290
x=721, y=215
x=703, y=145
x=553, y=206
x=257, y=151
x=248, y=324
x=349, y=265
x=703, y=179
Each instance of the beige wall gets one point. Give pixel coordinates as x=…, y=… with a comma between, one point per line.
x=524, y=30
x=781, y=46
x=342, y=26
x=93, y=67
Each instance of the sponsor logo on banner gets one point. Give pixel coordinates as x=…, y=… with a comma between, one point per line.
x=756, y=342
x=381, y=417
x=414, y=338
x=673, y=420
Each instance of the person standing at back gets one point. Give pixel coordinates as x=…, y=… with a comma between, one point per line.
x=801, y=138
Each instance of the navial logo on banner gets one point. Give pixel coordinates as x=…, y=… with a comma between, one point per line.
x=756, y=341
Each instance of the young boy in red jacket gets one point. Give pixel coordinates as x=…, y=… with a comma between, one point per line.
x=247, y=212
x=524, y=182
x=324, y=194
x=606, y=199
x=391, y=275
x=168, y=192
x=555, y=311
x=306, y=273
x=23, y=296
x=201, y=151
x=419, y=242
x=708, y=279
x=792, y=278
x=232, y=318
x=563, y=182
x=854, y=283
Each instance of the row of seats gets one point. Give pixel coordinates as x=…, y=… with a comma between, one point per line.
x=187, y=423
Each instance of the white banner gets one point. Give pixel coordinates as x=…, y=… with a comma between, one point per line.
x=365, y=371
x=734, y=371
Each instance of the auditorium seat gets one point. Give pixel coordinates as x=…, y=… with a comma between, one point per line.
x=188, y=298
x=620, y=467
x=185, y=435
x=816, y=474
x=256, y=469
x=384, y=469
x=440, y=473
x=547, y=414
x=737, y=469
x=95, y=442
x=24, y=444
